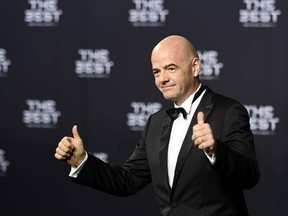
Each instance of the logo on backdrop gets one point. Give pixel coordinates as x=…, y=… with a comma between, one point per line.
x=102, y=156
x=3, y=163
x=148, y=13
x=4, y=63
x=42, y=13
x=93, y=63
x=259, y=13
x=141, y=111
x=41, y=114
x=262, y=119
x=210, y=65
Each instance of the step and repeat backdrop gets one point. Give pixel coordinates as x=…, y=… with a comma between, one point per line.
x=66, y=62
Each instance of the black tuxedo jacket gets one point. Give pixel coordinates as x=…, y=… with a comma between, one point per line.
x=199, y=188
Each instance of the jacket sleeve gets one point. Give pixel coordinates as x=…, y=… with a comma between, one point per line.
x=235, y=155
x=123, y=180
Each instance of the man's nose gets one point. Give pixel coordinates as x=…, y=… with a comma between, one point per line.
x=164, y=77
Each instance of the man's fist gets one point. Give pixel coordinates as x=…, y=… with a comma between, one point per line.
x=203, y=136
x=71, y=149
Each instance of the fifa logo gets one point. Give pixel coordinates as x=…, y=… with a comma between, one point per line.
x=4, y=63
x=41, y=114
x=93, y=63
x=3, y=163
x=136, y=120
x=259, y=13
x=210, y=65
x=43, y=13
x=148, y=13
x=262, y=119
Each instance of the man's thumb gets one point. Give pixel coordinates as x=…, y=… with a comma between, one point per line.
x=200, y=118
x=75, y=132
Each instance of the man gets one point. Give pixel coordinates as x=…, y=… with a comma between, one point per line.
x=199, y=157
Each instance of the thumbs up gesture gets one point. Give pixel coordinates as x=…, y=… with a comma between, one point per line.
x=203, y=136
x=71, y=149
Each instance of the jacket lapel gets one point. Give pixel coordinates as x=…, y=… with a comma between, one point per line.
x=205, y=106
x=165, y=136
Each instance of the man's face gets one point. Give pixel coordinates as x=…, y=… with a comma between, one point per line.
x=175, y=74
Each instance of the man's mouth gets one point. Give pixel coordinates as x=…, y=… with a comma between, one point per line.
x=166, y=88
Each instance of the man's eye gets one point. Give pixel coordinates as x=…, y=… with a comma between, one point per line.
x=171, y=69
x=155, y=73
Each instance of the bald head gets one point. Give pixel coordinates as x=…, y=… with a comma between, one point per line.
x=176, y=44
x=176, y=68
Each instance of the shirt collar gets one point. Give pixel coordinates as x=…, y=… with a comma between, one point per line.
x=188, y=102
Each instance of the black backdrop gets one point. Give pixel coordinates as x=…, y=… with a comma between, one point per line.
x=66, y=62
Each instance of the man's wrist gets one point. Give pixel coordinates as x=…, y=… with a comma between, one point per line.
x=76, y=169
x=82, y=159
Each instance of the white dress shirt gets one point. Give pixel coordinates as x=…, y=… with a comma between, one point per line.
x=178, y=132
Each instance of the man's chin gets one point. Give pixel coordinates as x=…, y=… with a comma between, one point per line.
x=169, y=97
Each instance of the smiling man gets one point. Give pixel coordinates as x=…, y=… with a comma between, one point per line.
x=176, y=73
x=199, y=154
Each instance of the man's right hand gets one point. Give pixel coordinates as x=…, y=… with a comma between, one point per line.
x=71, y=149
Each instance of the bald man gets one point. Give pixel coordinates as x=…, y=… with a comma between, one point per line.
x=198, y=154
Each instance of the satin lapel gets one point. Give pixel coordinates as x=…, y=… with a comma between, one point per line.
x=165, y=136
x=205, y=106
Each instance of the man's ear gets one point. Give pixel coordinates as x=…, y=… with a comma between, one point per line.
x=196, y=66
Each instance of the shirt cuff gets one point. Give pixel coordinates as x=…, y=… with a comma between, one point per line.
x=211, y=158
x=76, y=170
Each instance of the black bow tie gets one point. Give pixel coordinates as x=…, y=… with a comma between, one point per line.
x=174, y=112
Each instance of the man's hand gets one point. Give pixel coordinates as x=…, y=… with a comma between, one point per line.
x=203, y=136
x=71, y=149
